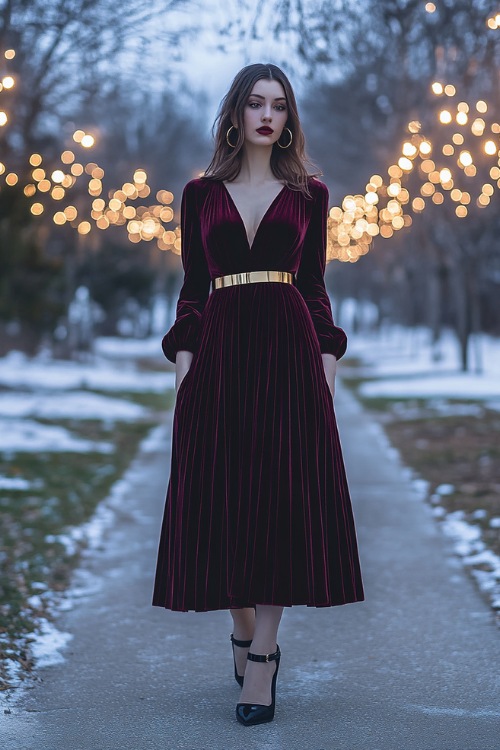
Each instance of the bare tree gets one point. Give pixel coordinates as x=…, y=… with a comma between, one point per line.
x=70, y=53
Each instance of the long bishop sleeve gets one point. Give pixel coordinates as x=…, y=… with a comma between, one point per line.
x=310, y=277
x=184, y=334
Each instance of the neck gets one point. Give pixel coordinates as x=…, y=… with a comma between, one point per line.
x=256, y=164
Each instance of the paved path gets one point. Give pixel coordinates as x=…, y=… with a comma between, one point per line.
x=415, y=667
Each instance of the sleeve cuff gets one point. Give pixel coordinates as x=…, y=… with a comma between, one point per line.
x=336, y=344
x=184, y=335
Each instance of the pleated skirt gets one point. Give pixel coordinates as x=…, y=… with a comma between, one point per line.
x=258, y=508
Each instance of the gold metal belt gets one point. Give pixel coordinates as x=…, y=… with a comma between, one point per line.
x=247, y=277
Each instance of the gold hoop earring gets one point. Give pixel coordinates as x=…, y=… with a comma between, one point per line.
x=289, y=142
x=227, y=136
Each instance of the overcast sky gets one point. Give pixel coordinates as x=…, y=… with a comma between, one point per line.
x=205, y=67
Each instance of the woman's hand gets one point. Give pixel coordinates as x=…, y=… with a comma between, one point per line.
x=330, y=365
x=183, y=361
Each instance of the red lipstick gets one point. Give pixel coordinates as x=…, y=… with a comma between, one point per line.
x=265, y=131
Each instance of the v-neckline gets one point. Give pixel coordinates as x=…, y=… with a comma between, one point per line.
x=250, y=246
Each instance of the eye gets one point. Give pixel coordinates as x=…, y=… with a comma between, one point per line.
x=281, y=107
x=251, y=104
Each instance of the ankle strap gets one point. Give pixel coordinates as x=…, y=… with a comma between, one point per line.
x=241, y=644
x=265, y=657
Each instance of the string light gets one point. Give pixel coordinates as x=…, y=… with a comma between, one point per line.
x=385, y=207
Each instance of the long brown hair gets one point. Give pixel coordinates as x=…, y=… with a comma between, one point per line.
x=287, y=164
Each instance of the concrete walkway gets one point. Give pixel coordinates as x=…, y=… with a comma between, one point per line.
x=415, y=667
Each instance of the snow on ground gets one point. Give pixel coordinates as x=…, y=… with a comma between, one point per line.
x=41, y=387
x=44, y=388
x=19, y=371
x=27, y=436
x=45, y=647
x=68, y=405
x=15, y=483
x=484, y=564
x=122, y=348
x=48, y=644
x=405, y=364
x=462, y=385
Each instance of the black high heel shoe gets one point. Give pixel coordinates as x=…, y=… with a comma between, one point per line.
x=242, y=644
x=255, y=713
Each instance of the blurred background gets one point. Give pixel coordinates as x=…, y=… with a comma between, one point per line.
x=105, y=113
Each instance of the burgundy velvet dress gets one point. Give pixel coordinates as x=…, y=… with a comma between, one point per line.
x=257, y=508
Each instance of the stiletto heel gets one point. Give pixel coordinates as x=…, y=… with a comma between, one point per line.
x=242, y=644
x=255, y=713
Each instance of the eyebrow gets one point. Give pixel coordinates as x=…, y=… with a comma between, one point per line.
x=278, y=98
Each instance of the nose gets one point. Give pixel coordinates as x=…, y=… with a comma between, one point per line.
x=267, y=114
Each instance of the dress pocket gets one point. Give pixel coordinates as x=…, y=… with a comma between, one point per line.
x=327, y=386
x=182, y=386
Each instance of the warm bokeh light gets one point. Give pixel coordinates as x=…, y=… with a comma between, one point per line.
x=84, y=227
x=405, y=164
x=384, y=207
x=409, y=149
x=59, y=218
x=465, y=158
x=380, y=210
x=71, y=213
x=58, y=193
x=478, y=126
x=164, y=196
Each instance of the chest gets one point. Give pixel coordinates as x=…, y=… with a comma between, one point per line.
x=252, y=205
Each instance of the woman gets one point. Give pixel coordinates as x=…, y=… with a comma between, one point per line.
x=258, y=514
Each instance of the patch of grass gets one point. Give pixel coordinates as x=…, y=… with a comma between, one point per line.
x=446, y=441
x=461, y=451
x=349, y=360
x=157, y=402
x=65, y=492
x=154, y=364
x=379, y=404
x=353, y=382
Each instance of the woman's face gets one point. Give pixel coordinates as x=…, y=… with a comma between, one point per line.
x=265, y=111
